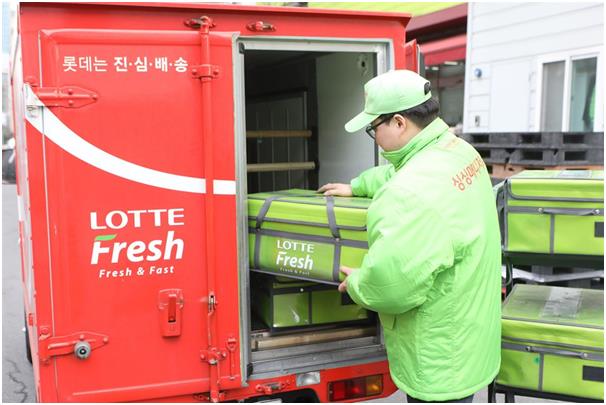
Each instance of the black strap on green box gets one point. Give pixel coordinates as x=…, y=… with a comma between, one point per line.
x=335, y=240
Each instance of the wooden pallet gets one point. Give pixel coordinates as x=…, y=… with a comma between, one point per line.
x=503, y=171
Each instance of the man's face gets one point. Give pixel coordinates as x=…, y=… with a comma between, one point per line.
x=390, y=135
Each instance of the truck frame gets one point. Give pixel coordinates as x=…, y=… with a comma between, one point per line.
x=131, y=123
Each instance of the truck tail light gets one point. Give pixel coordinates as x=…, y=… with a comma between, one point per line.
x=355, y=388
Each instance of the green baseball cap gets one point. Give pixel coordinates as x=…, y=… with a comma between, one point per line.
x=394, y=91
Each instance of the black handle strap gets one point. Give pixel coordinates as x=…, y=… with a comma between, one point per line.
x=336, y=261
x=332, y=219
x=264, y=209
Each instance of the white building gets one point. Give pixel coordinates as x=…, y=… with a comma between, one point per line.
x=534, y=67
x=8, y=28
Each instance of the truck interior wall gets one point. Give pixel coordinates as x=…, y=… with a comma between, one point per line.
x=280, y=95
x=283, y=111
x=340, y=78
x=305, y=91
x=319, y=92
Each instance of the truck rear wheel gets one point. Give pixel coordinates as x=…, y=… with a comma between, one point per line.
x=28, y=348
x=300, y=396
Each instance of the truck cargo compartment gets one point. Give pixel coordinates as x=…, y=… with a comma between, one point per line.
x=296, y=103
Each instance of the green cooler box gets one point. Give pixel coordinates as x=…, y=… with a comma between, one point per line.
x=285, y=303
x=304, y=235
x=553, y=212
x=553, y=341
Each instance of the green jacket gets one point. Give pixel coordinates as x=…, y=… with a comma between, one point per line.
x=433, y=268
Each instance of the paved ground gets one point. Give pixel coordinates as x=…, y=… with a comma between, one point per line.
x=480, y=397
x=17, y=377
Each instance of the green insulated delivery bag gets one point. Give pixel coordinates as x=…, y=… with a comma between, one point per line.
x=284, y=303
x=553, y=340
x=305, y=235
x=554, y=212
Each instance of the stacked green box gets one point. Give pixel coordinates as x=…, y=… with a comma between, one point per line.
x=554, y=212
x=553, y=341
x=305, y=235
x=285, y=303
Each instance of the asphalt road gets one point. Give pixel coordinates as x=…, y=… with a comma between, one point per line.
x=17, y=373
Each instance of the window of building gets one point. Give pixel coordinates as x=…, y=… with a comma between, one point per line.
x=553, y=96
x=568, y=93
x=582, y=94
x=447, y=84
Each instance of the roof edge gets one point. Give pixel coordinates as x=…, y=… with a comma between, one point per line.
x=238, y=8
x=447, y=16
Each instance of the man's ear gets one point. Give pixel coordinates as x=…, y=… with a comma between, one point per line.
x=401, y=121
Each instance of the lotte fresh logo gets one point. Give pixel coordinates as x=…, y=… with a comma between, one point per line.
x=137, y=251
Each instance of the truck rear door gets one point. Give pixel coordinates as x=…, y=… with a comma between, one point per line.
x=412, y=52
x=138, y=139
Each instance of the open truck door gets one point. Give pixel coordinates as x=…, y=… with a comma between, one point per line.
x=140, y=210
x=413, y=57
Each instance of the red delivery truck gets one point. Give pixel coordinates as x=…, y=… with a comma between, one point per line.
x=141, y=128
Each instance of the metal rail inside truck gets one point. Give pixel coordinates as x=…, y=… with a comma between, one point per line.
x=140, y=130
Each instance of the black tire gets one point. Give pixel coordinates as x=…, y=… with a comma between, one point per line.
x=28, y=348
x=8, y=166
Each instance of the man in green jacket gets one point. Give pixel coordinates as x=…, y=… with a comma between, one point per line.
x=433, y=268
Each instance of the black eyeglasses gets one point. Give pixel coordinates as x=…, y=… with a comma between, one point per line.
x=371, y=130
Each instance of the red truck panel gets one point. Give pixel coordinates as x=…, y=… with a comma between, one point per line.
x=129, y=194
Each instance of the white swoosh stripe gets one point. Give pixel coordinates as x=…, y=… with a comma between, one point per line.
x=55, y=130
x=224, y=187
x=20, y=208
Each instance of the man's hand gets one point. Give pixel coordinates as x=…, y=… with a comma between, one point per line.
x=347, y=271
x=336, y=189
